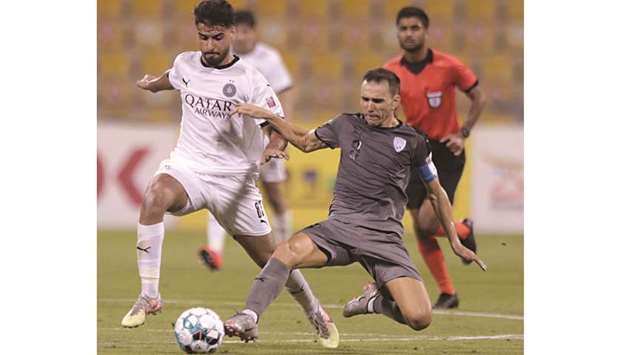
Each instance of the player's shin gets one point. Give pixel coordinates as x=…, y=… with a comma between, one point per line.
x=300, y=290
x=148, y=249
x=386, y=307
x=266, y=287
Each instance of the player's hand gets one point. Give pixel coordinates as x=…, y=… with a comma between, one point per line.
x=146, y=82
x=454, y=142
x=271, y=153
x=467, y=255
x=253, y=111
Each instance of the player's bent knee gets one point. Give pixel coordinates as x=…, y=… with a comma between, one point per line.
x=418, y=320
x=285, y=254
x=155, y=201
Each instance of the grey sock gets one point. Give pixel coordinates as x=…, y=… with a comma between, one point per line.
x=300, y=290
x=388, y=308
x=267, y=285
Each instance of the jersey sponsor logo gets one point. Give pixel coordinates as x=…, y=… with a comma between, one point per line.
x=229, y=90
x=399, y=144
x=206, y=106
x=186, y=82
x=434, y=98
x=271, y=102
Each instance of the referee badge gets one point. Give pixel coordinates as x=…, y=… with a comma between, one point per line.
x=399, y=144
x=434, y=98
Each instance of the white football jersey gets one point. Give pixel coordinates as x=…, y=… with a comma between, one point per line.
x=212, y=140
x=269, y=62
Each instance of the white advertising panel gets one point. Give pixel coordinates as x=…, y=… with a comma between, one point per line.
x=497, y=178
x=127, y=158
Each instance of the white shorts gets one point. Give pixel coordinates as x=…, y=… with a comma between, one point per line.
x=234, y=200
x=273, y=171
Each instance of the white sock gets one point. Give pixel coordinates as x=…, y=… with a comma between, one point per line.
x=301, y=292
x=371, y=305
x=215, y=234
x=251, y=313
x=148, y=249
x=282, y=226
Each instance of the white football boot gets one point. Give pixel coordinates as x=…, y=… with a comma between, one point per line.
x=326, y=328
x=143, y=306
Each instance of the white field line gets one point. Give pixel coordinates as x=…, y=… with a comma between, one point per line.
x=350, y=340
x=129, y=302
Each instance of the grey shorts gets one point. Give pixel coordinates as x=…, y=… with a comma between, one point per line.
x=382, y=254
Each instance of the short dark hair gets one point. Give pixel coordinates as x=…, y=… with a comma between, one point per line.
x=412, y=11
x=378, y=75
x=245, y=17
x=214, y=13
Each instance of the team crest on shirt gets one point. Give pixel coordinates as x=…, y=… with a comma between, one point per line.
x=434, y=98
x=229, y=90
x=399, y=144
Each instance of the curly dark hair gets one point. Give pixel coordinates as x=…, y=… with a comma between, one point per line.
x=214, y=13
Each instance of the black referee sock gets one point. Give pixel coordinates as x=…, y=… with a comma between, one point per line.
x=267, y=285
x=388, y=308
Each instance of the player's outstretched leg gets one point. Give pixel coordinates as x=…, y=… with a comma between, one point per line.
x=272, y=280
x=298, y=287
x=411, y=305
x=360, y=305
x=163, y=194
x=242, y=325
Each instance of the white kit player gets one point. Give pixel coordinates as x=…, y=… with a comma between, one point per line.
x=215, y=162
x=273, y=173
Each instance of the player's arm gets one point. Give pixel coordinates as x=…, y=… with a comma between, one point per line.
x=478, y=102
x=155, y=83
x=276, y=146
x=466, y=81
x=302, y=139
x=438, y=197
x=443, y=210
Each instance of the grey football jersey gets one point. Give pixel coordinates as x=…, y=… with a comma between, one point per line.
x=374, y=170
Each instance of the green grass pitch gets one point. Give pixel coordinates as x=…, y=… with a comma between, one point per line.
x=488, y=321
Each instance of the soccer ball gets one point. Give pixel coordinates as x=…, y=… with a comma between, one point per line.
x=199, y=330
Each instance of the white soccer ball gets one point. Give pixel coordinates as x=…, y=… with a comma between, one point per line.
x=199, y=330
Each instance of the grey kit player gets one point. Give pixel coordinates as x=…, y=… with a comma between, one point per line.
x=377, y=154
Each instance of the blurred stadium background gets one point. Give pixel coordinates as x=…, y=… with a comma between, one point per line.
x=327, y=45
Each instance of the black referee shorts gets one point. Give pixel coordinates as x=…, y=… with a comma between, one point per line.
x=449, y=168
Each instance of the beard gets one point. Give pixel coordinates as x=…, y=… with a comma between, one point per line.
x=214, y=60
x=410, y=47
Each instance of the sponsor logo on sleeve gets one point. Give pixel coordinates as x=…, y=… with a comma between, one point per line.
x=271, y=102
